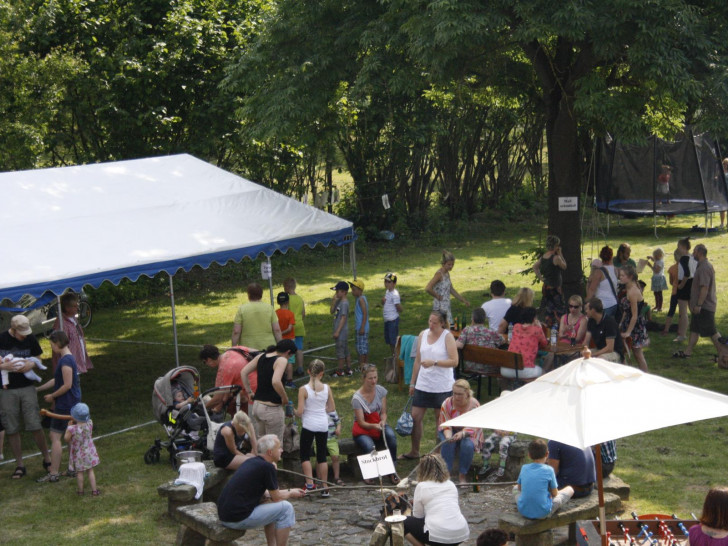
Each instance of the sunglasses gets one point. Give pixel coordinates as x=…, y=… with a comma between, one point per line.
x=574, y=306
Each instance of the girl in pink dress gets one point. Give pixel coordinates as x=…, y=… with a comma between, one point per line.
x=82, y=451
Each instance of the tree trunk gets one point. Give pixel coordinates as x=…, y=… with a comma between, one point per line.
x=565, y=181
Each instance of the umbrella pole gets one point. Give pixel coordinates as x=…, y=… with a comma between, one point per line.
x=600, y=491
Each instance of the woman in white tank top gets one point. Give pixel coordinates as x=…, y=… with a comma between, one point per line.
x=314, y=400
x=432, y=375
x=599, y=285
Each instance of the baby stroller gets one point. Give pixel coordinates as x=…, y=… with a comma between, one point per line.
x=188, y=428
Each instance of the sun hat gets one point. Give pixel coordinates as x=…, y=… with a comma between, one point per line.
x=80, y=413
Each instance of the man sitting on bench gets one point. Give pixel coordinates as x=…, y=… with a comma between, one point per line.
x=573, y=466
x=603, y=330
x=241, y=505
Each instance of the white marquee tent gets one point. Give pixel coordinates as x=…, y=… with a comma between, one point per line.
x=67, y=227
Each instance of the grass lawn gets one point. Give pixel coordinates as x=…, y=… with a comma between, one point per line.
x=669, y=470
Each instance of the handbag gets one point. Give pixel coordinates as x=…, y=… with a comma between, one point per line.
x=371, y=417
x=405, y=422
x=391, y=374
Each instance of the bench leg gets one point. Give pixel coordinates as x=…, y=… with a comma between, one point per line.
x=546, y=538
x=189, y=537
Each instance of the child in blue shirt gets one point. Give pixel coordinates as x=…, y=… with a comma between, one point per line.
x=537, y=496
x=361, y=321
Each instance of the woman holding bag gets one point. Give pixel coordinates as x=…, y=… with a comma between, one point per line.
x=370, y=418
x=469, y=439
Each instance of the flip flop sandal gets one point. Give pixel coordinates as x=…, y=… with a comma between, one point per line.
x=19, y=472
x=369, y=482
x=339, y=482
x=680, y=354
x=394, y=479
x=407, y=457
x=95, y=492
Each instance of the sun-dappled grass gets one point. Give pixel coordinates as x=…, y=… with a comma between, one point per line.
x=669, y=470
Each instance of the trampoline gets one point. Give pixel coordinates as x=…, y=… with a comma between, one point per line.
x=661, y=178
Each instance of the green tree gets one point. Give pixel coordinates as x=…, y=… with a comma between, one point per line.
x=621, y=65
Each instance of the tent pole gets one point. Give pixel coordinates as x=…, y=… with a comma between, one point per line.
x=352, y=258
x=600, y=490
x=174, y=319
x=60, y=312
x=270, y=282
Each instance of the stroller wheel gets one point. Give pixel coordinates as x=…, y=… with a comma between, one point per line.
x=152, y=455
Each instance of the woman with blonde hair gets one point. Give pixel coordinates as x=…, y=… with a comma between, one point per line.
x=314, y=401
x=440, y=286
x=436, y=516
x=523, y=299
x=227, y=451
x=633, y=324
x=468, y=439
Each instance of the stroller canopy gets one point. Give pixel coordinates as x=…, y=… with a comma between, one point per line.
x=186, y=376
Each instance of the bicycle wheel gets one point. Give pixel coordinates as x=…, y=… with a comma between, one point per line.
x=84, y=314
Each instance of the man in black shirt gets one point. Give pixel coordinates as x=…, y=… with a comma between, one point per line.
x=240, y=504
x=19, y=399
x=604, y=331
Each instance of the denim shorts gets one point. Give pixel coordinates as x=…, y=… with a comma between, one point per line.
x=391, y=331
x=424, y=399
x=362, y=344
x=281, y=513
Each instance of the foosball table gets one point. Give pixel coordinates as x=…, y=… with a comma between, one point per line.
x=645, y=530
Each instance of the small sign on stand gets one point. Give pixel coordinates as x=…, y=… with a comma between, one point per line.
x=266, y=271
x=376, y=464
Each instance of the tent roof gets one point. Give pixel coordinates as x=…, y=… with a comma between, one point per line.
x=70, y=226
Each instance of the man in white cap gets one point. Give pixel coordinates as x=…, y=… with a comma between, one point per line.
x=20, y=399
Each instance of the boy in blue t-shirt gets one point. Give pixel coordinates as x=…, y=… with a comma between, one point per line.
x=537, y=496
x=340, y=310
x=361, y=321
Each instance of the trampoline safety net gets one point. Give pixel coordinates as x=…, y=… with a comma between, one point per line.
x=660, y=178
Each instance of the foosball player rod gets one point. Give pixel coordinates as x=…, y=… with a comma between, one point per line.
x=643, y=530
x=647, y=539
x=625, y=532
x=682, y=528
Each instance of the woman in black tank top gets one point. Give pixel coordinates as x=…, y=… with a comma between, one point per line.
x=270, y=397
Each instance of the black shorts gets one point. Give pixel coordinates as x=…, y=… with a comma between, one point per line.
x=416, y=527
x=703, y=323
x=434, y=400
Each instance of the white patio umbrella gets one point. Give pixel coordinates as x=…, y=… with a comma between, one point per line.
x=589, y=401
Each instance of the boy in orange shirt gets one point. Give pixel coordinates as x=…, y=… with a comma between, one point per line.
x=286, y=321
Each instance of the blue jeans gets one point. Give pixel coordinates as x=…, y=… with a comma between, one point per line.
x=281, y=513
x=366, y=443
x=467, y=450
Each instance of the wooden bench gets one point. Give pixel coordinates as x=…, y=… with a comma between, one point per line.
x=537, y=532
x=184, y=494
x=489, y=357
x=199, y=522
x=348, y=447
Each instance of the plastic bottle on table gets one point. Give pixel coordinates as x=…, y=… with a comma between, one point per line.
x=510, y=332
x=554, y=335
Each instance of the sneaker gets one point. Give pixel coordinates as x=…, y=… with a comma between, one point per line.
x=349, y=371
x=495, y=476
x=678, y=339
x=309, y=487
x=289, y=384
x=486, y=470
x=298, y=372
x=339, y=373
x=326, y=493
x=68, y=473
